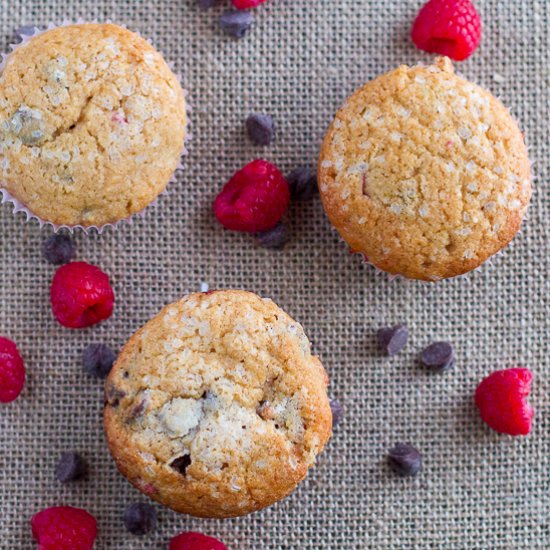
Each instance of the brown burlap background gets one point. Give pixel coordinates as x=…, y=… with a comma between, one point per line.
x=478, y=490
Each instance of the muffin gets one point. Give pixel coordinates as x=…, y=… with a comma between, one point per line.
x=216, y=407
x=425, y=173
x=92, y=125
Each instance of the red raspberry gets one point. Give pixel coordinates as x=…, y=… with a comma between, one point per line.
x=448, y=27
x=254, y=199
x=64, y=528
x=195, y=541
x=246, y=4
x=500, y=399
x=81, y=295
x=12, y=371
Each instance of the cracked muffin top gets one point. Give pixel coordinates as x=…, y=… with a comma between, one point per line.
x=425, y=173
x=92, y=124
x=216, y=407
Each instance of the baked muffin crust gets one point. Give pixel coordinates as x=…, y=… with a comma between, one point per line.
x=425, y=173
x=216, y=407
x=92, y=124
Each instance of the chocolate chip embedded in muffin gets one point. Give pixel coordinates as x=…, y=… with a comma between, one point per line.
x=236, y=408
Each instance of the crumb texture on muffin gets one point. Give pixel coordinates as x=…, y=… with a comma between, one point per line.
x=216, y=407
x=425, y=173
x=92, y=124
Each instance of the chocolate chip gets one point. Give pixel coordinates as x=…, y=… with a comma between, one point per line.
x=98, y=360
x=236, y=22
x=114, y=395
x=140, y=518
x=274, y=239
x=71, y=466
x=438, y=356
x=302, y=183
x=337, y=412
x=58, y=249
x=391, y=340
x=260, y=128
x=405, y=460
x=137, y=410
x=206, y=4
x=181, y=464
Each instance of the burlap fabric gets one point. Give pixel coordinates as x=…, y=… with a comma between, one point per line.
x=478, y=490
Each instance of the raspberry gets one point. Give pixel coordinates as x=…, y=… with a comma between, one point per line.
x=12, y=371
x=254, y=199
x=64, y=528
x=246, y=4
x=500, y=399
x=81, y=295
x=448, y=27
x=195, y=541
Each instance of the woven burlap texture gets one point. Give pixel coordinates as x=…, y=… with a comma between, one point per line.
x=478, y=490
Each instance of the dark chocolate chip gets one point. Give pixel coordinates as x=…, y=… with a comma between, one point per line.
x=438, y=356
x=405, y=460
x=337, y=412
x=302, y=183
x=140, y=518
x=71, y=466
x=98, y=360
x=114, y=395
x=58, y=249
x=236, y=22
x=392, y=340
x=274, y=239
x=181, y=464
x=206, y=4
x=137, y=410
x=260, y=128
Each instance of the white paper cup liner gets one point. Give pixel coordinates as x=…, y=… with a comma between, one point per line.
x=20, y=207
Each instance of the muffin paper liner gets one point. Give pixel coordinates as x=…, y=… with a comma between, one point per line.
x=18, y=206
